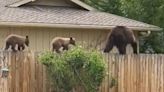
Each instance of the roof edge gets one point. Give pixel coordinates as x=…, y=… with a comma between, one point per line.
x=84, y=5
x=19, y=3
x=16, y=24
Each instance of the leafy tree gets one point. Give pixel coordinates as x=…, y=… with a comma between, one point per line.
x=111, y=6
x=75, y=68
x=149, y=11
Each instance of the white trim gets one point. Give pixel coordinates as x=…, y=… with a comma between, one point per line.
x=19, y=3
x=84, y=5
x=16, y=24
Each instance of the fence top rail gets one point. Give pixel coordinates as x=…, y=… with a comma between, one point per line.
x=105, y=54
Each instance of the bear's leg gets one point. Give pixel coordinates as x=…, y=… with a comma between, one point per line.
x=134, y=46
x=122, y=49
x=7, y=46
x=109, y=45
x=13, y=48
x=23, y=47
x=19, y=48
x=65, y=47
x=57, y=50
x=54, y=48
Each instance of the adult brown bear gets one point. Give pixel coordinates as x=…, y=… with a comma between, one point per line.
x=13, y=40
x=120, y=37
x=59, y=42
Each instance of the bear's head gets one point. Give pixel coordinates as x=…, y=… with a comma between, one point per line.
x=72, y=41
x=27, y=41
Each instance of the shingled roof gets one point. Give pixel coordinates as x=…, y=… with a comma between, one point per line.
x=50, y=16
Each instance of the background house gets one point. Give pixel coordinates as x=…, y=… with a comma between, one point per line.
x=44, y=19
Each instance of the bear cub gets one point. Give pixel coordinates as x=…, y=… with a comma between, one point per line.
x=59, y=42
x=13, y=40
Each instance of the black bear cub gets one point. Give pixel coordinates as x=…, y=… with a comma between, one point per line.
x=59, y=42
x=120, y=37
x=13, y=40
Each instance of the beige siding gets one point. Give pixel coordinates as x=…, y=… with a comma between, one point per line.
x=40, y=38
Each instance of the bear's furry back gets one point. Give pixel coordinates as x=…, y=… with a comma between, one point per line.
x=60, y=40
x=13, y=38
x=123, y=34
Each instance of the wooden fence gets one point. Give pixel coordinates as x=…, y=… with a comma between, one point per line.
x=133, y=73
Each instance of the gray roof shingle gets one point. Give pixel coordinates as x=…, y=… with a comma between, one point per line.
x=66, y=15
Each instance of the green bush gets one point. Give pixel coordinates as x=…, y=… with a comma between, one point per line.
x=76, y=67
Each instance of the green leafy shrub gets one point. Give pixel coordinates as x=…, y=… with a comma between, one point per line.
x=74, y=68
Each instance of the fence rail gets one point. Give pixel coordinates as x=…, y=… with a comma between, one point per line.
x=133, y=73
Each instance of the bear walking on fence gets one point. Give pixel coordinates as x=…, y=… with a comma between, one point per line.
x=13, y=40
x=59, y=42
x=120, y=37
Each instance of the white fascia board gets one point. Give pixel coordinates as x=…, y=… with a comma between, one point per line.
x=18, y=24
x=19, y=3
x=82, y=4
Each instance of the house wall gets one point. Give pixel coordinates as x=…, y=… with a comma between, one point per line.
x=40, y=38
